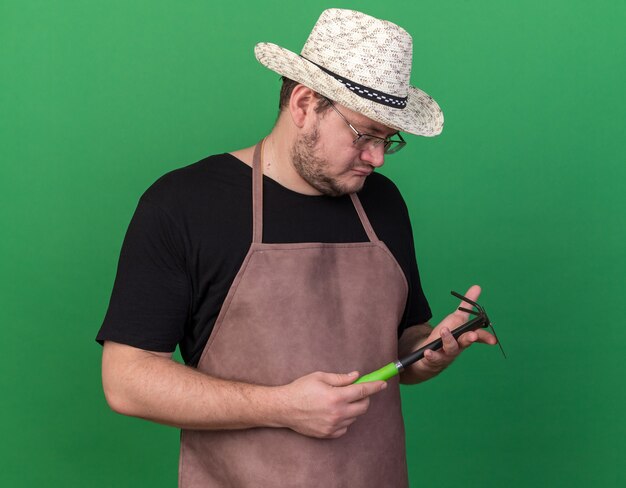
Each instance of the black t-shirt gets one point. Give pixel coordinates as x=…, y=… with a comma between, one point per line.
x=192, y=230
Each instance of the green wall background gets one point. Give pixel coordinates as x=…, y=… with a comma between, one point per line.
x=523, y=194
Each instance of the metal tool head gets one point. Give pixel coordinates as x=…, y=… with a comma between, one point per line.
x=480, y=312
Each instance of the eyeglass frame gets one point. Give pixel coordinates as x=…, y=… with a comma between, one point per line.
x=375, y=141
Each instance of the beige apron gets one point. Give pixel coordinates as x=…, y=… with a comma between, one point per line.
x=294, y=309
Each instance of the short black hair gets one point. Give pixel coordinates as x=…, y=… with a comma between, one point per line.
x=323, y=103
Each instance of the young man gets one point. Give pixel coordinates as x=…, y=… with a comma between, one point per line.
x=284, y=271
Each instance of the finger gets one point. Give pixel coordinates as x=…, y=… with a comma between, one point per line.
x=467, y=339
x=473, y=293
x=479, y=335
x=358, y=408
x=450, y=345
x=338, y=433
x=360, y=391
x=344, y=424
x=338, y=379
x=435, y=360
x=486, y=337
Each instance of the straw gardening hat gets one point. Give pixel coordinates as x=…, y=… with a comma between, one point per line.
x=362, y=63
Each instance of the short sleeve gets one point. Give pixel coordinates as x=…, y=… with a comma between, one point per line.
x=150, y=300
x=418, y=310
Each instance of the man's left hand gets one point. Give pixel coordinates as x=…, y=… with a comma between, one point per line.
x=434, y=362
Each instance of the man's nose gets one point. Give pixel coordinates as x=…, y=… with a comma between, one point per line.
x=374, y=155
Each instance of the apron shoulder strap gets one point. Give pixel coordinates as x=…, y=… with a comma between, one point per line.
x=363, y=217
x=257, y=193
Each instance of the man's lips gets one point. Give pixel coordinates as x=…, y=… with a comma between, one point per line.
x=362, y=171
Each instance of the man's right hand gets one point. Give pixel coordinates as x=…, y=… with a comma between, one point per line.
x=152, y=386
x=324, y=405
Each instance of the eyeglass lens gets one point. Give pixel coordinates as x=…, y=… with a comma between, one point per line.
x=365, y=141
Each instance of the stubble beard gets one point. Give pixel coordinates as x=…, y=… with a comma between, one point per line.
x=314, y=169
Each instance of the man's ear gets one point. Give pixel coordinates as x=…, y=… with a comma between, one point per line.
x=302, y=105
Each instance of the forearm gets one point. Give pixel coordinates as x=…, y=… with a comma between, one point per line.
x=153, y=386
x=412, y=338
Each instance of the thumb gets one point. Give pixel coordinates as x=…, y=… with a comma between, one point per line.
x=339, y=379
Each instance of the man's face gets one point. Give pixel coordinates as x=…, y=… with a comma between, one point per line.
x=326, y=159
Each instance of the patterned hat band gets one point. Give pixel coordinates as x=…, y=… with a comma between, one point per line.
x=364, y=91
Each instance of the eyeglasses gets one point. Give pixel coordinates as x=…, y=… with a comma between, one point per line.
x=368, y=141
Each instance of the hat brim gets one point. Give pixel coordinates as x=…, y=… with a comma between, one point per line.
x=421, y=116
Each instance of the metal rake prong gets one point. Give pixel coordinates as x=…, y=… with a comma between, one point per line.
x=467, y=310
x=496, y=336
x=465, y=299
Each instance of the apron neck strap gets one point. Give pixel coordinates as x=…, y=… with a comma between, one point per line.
x=257, y=200
x=257, y=193
x=369, y=230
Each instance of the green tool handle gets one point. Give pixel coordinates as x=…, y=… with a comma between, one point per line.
x=383, y=374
